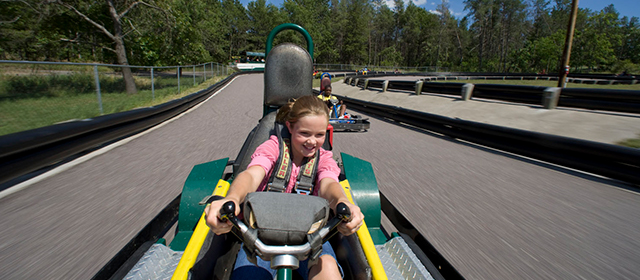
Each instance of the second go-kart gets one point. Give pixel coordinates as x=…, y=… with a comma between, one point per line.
x=347, y=122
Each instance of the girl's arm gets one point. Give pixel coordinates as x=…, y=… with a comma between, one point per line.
x=246, y=182
x=332, y=192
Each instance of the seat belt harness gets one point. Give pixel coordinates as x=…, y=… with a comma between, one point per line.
x=280, y=177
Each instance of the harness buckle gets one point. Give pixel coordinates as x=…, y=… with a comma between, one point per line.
x=272, y=188
x=303, y=192
x=303, y=188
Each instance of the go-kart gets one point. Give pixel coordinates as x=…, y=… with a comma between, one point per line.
x=346, y=122
x=283, y=236
x=363, y=71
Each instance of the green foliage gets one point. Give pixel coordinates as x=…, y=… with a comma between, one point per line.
x=541, y=55
x=22, y=87
x=390, y=57
x=63, y=85
x=262, y=18
x=354, y=48
x=495, y=35
x=625, y=66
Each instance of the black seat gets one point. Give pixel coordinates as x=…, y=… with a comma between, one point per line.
x=288, y=75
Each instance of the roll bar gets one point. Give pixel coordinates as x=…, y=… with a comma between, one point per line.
x=291, y=26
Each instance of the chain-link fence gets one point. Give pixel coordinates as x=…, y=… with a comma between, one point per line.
x=37, y=94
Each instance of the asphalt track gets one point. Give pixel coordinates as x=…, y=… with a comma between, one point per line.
x=491, y=214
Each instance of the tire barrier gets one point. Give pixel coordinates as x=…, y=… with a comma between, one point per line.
x=617, y=162
x=512, y=93
x=597, y=99
x=443, y=88
x=402, y=85
x=24, y=152
x=376, y=83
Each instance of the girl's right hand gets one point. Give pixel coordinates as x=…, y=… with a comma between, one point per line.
x=212, y=216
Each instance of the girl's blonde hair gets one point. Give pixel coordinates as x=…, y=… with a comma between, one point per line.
x=307, y=105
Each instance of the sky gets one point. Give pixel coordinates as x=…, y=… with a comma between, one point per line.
x=629, y=8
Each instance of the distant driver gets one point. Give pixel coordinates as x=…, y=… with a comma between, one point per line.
x=327, y=97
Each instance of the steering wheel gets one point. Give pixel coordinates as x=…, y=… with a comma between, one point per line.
x=284, y=256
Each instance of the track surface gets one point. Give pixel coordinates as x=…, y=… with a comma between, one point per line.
x=492, y=215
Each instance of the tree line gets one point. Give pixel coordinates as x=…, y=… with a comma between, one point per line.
x=493, y=36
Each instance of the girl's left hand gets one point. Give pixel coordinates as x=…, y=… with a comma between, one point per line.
x=357, y=218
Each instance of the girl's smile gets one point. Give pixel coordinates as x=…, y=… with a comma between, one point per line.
x=307, y=136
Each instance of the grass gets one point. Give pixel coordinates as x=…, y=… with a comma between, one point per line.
x=316, y=82
x=542, y=83
x=10, y=69
x=78, y=83
x=55, y=104
x=633, y=142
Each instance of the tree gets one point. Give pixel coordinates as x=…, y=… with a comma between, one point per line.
x=594, y=41
x=541, y=19
x=419, y=42
x=117, y=12
x=390, y=57
x=356, y=32
x=382, y=31
x=449, y=38
x=482, y=12
x=212, y=31
x=235, y=26
x=495, y=35
x=22, y=34
x=183, y=37
x=316, y=17
x=629, y=50
x=262, y=19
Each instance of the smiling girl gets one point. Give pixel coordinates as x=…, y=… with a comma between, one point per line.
x=306, y=119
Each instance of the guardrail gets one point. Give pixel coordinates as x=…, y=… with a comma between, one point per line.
x=610, y=100
x=513, y=93
x=549, y=97
x=600, y=79
x=617, y=162
x=27, y=151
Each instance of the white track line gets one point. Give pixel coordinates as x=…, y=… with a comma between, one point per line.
x=66, y=166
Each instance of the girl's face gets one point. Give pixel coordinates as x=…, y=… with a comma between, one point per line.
x=307, y=136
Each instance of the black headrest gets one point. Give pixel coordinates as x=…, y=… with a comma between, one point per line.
x=288, y=74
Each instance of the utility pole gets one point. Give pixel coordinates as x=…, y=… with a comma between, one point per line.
x=564, y=67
